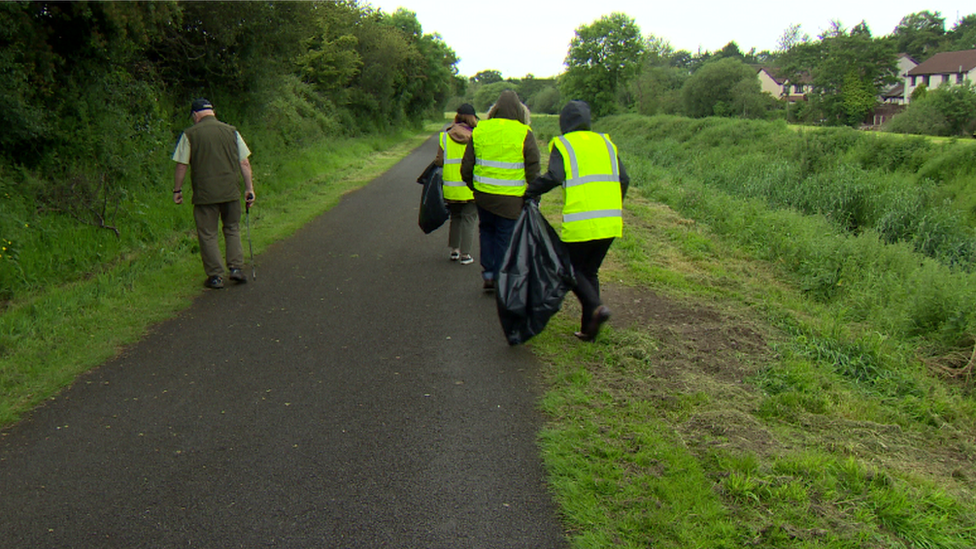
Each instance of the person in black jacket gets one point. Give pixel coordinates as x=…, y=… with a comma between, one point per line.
x=588, y=242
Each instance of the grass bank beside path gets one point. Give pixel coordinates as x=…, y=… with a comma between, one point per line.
x=52, y=336
x=724, y=407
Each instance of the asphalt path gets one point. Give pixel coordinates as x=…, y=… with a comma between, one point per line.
x=358, y=393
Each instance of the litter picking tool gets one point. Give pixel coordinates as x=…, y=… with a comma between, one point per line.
x=247, y=222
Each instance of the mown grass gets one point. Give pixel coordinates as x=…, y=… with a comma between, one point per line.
x=59, y=329
x=777, y=395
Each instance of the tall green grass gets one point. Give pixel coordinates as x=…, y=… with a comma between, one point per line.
x=837, y=434
x=908, y=189
x=867, y=223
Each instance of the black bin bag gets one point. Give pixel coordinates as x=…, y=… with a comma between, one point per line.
x=534, y=278
x=433, y=209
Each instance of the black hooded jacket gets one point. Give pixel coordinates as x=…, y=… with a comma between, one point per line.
x=574, y=117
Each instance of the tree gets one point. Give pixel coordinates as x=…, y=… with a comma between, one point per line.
x=962, y=36
x=957, y=103
x=603, y=57
x=730, y=51
x=919, y=34
x=330, y=59
x=793, y=36
x=546, y=101
x=726, y=87
x=842, y=65
x=487, y=77
x=857, y=99
x=486, y=95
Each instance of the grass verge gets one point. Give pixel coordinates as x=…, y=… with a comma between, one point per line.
x=725, y=407
x=51, y=336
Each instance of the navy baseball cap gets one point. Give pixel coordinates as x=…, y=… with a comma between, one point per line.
x=200, y=105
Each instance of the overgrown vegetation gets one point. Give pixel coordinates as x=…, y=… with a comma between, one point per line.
x=95, y=95
x=843, y=73
x=777, y=374
x=54, y=334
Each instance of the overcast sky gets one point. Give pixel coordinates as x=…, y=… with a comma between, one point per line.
x=531, y=37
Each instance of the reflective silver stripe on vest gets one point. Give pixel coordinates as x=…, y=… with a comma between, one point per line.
x=499, y=182
x=593, y=179
x=452, y=161
x=455, y=184
x=574, y=178
x=595, y=214
x=502, y=165
x=573, y=164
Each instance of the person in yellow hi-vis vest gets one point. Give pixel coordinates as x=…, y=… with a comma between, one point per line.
x=459, y=198
x=499, y=161
x=587, y=166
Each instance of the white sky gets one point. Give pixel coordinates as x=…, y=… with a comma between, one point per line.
x=531, y=37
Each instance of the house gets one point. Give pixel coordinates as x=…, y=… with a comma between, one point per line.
x=895, y=95
x=950, y=68
x=779, y=87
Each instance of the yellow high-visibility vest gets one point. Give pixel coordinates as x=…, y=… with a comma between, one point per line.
x=499, y=165
x=454, y=187
x=594, y=206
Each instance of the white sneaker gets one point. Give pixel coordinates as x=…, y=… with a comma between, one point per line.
x=466, y=259
x=455, y=255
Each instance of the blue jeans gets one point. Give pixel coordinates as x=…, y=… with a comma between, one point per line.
x=495, y=236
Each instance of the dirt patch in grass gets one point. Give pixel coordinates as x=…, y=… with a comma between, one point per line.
x=689, y=336
x=694, y=360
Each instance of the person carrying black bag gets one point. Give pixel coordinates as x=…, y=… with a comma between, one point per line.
x=588, y=167
x=498, y=162
x=457, y=195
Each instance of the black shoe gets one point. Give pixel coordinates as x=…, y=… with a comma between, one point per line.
x=600, y=315
x=215, y=282
x=489, y=285
x=238, y=276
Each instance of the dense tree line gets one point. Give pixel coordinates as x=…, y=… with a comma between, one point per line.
x=94, y=94
x=616, y=69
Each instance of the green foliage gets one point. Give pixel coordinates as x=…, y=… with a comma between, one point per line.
x=545, y=101
x=727, y=87
x=919, y=34
x=487, y=94
x=487, y=77
x=962, y=36
x=848, y=70
x=957, y=103
x=603, y=58
x=884, y=237
x=95, y=94
x=657, y=90
x=949, y=110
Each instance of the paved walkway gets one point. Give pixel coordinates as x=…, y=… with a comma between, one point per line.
x=359, y=393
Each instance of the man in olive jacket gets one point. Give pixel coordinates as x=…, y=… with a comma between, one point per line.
x=216, y=156
x=499, y=162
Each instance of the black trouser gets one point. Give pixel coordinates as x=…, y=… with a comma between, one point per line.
x=586, y=258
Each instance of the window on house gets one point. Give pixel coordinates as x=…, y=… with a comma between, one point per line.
x=959, y=78
x=913, y=81
x=798, y=89
x=945, y=77
x=925, y=80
